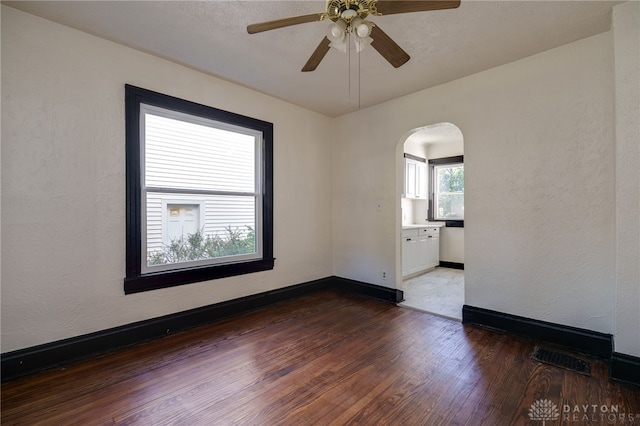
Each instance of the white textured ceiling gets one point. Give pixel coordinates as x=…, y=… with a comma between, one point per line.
x=211, y=36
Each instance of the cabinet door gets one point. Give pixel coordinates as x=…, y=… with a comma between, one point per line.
x=409, y=178
x=415, y=179
x=409, y=255
x=434, y=251
x=424, y=252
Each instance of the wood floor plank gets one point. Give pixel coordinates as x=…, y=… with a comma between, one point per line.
x=277, y=361
x=407, y=357
x=289, y=387
x=462, y=383
x=329, y=358
x=404, y=400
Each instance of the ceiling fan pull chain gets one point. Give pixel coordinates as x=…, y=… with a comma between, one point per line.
x=359, y=80
x=349, y=67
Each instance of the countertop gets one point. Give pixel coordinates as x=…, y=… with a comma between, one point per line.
x=424, y=225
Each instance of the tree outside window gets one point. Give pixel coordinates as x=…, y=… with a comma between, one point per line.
x=447, y=189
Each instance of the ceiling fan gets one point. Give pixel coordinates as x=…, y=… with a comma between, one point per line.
x=349, y=17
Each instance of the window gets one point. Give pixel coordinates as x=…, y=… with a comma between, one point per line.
x=199, y=192
x=446, y=197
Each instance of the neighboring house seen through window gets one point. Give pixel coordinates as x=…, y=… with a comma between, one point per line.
x=178, y=220
x=446, y=198
x=199, y=199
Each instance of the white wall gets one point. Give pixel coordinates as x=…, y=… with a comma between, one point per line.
x=626, y=29
x=538, y=132
x=445, y=149
x=414, y=211
x=418, y=149
x=539, y=201
x=1, y=172
x=63, y=184
x=452, y=244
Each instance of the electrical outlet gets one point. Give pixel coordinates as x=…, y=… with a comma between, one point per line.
x=383, y=274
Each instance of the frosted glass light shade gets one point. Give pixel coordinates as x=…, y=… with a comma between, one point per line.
x=337, y=31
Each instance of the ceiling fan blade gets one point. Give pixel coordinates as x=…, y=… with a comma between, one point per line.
x=286, y=22
x=317, y=55
x=390, y=7
x=388, y=48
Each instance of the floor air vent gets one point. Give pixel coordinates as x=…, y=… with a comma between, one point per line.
x=561, y=360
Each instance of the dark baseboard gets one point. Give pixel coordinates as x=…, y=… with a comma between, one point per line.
x=30, y=360
x=592, y=343
x=386, y=294
x=37, y=358
x=452, y=265
x=625, y=368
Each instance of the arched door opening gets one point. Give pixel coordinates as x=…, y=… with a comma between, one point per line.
x=432, y=217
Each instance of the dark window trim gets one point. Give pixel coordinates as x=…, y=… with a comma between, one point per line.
x=135, y=281
x=437, y=162
x=414, y=157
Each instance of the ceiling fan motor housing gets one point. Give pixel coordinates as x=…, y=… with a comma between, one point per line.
x=349, y=9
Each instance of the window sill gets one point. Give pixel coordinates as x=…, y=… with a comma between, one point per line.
x=454, y=223
x=158, y=280
x=450, y=223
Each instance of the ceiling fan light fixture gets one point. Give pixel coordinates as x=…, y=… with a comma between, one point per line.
x=337, y=32
x=362, y=43
x=339, y=46
x=361, y=27
x=361, y=30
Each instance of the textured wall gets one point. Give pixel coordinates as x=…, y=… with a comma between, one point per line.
x=63, y=184
x=540, y=237
x=539, y=201
x=538, y=134
x=626, y=28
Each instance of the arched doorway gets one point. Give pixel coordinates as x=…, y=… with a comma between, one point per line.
x=432, y=217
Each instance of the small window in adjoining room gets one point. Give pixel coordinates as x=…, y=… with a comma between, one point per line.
x=199, y=192
x=446, y=198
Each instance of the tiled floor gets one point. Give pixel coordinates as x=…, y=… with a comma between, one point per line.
x=439, y=292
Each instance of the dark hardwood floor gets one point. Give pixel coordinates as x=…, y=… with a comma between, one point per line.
x=327, y=358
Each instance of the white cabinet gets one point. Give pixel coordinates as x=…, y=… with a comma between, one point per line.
x=433, y=247
x=409, y=178
x=410, y=255
x=415, y=179
x=424, y=252
x=420, y=249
